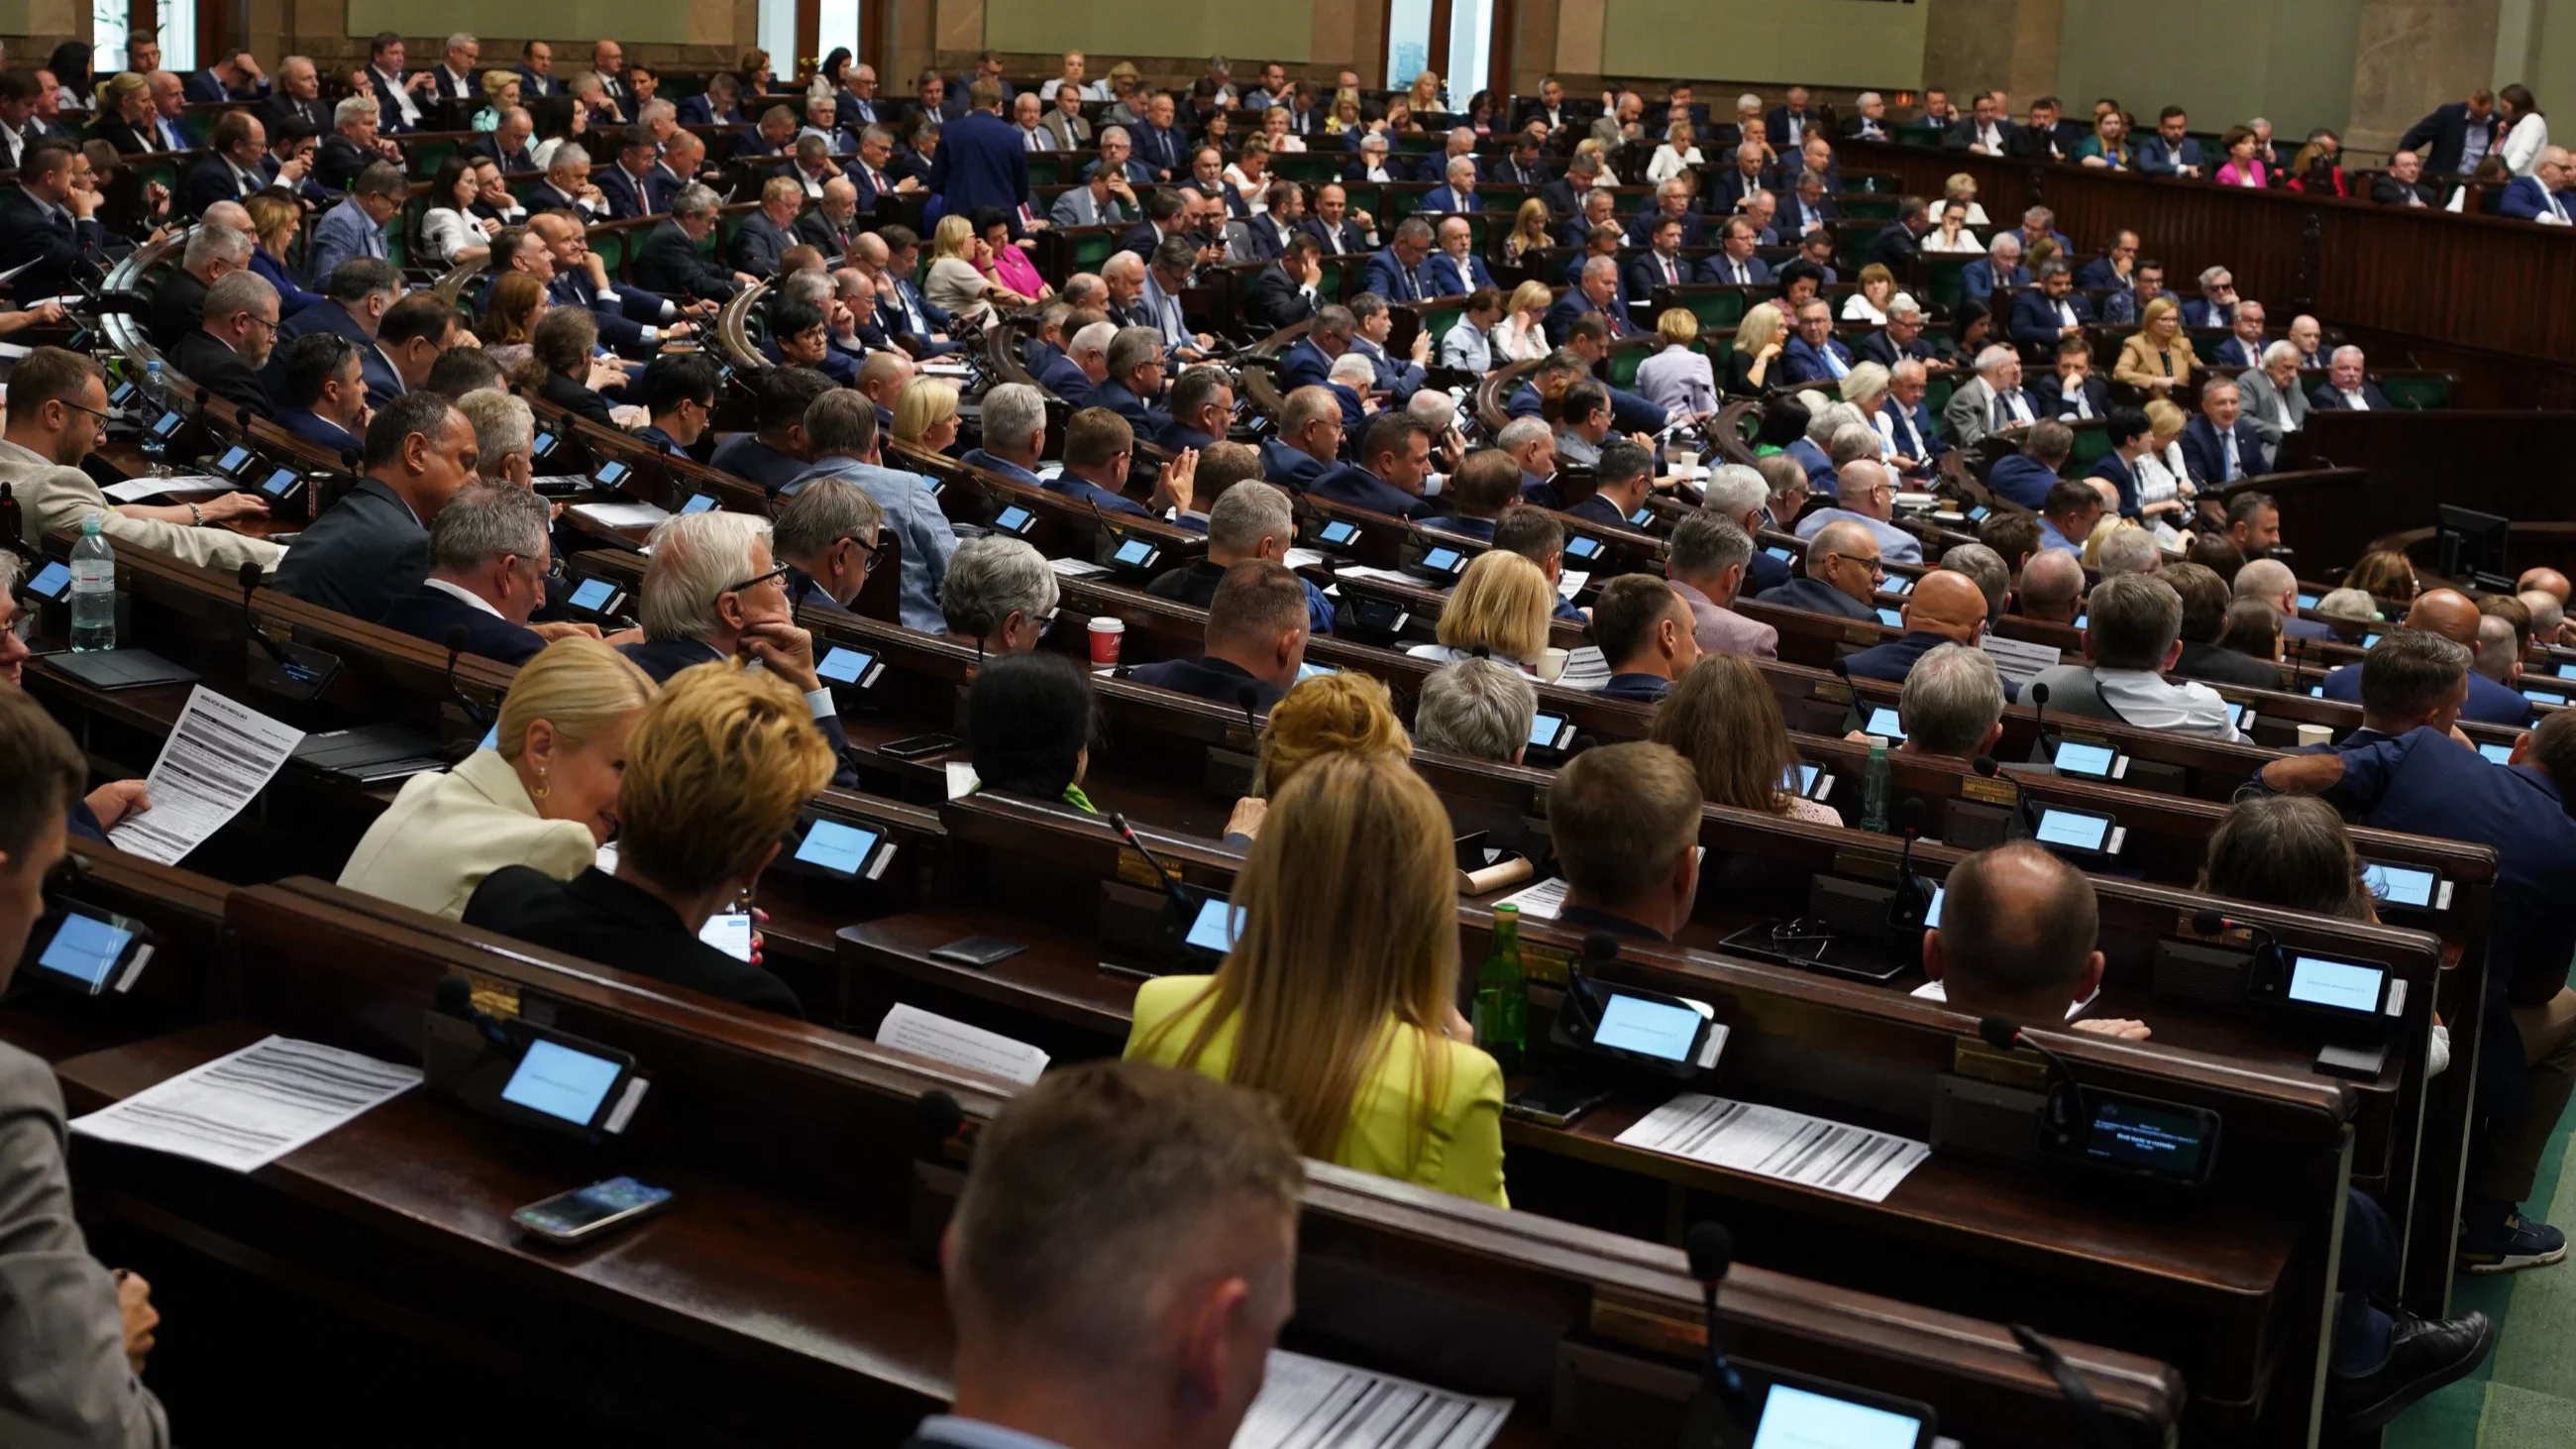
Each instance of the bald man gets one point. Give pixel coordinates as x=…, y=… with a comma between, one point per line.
x=2270, y=581
x=2548, y=615
x=1865, y=494
x=2548, y=581
x=1945, y=608
x=2052, y=587
x=2451, y=614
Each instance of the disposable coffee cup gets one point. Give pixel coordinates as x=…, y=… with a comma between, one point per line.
x=2316, y=734
x=1106, y=637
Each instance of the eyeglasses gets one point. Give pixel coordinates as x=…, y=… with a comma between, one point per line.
x=1877, y=570
x=870, y=549
x=778, y=571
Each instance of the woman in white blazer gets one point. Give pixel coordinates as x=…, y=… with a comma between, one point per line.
x=544, y=796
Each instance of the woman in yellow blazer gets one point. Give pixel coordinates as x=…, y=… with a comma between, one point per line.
x=2157, y=359
x=1340, y=997
x=545, y=796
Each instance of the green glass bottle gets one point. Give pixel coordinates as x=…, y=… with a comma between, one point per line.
x=1502, y=993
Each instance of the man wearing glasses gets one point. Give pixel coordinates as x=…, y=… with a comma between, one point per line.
x=489, y=564
x=1867, y=498
x=827, y=537
x=1842, y=578
x=680, y=393
x=224, y=355
x=57, y=416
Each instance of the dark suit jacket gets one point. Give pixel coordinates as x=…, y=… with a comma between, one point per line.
x=178, y=308
x=1388, y=276
x=338, y=163
x=204, y=359
x=489, y=144
x=208, y=182
x=1272, y=300
x=281, y=107
x=670, y=265
x=1559, y=321
x=2324, y=396
x=2202, y=455
x=2389, y=191
x=2110, y=466
x=1289, y=467
x=758, y=243
x=1645, y=274
x=2049, y=396
x=1803, y=362
x=2034, y=316
x=1352, y=484
x=570, y=395
x=427, y=613
x=629, y=198
x=1893, y=660
x=321, y=431
x=1353, y=239
x=1816, y=597
x=1209, y=679
x=383, y=383
x=2208, y=661
x=1977, y=279
x=124, y=135
x=1727, y=193
x=29, y=233
x=1880, y=348
x=1303, y=365
x=2023, y=479
x=1059, y=374
x=1720, y=268
x=364, y=552
x=823, y=233
x=2527, y=200
x=2446, y=134
x=981, y=162
x=1141, y=416
x=600, y=918
x=1895, y=247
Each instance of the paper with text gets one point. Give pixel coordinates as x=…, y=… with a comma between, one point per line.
x=910, y=1029
x=217, y=761
x=625, y=513
x=1313, y=1403
x=1540, y=902
x=1772, y=1142
x=135, y=490
x=246, y=1110
x=2019, y=660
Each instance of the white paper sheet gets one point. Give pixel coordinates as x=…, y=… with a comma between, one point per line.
x=1313, y=1403
x=1539, y=902
x=217, y=761
x=910, y=1029
x=1936, y=991
x=2019, y=660
x=1386, y=576
x=625, y=514
x=1585, y=669
x=1302, y=558
x=197, y=485
x=247, y=1110
x=1077, y=568
x=1772, y=1142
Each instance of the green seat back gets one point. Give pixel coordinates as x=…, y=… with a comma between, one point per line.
x=2418, y=391
x=2090, y=445
x=1943, y=285
x=1918, y=134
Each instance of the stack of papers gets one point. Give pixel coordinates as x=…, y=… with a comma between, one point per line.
x=217, y=761
x=2019, y=660
x=621, y=514
x=186, y=485
x=249, y=1109
x=1313, y=1403
x=1772, y=1142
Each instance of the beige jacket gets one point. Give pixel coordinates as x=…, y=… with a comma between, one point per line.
x=445, y=832
x=51, y=496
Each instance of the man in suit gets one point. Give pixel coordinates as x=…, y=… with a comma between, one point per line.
x=1901, y=241
x=372, y=547
x=1099, y=450
x=1133, y=383
x=670, y=263
x=1217, y=1246
x=1815, y=354
x=2039, y=138
x=832, y=227
x=1843, y=573
x=397, y=97
x=1734, y=263
x=1808, y=206
x=2070, y=391
x=1866, y=495
x=1389, y=468
x=608, y=67
x=1548, y=109
x=234, y=78
x=20, y=94
x=872, y=175
x=567, y=186
x=1901, y=338
x=2216, y=304
x=1906, y=423
x=455, y=78
x=1284, y=209
x=1945, y=607
x=1202, y=410
x=537, y=78
x=1868, y=121
x=1457, y=193
x=2027, y=478
x=763, y=237
x=1167, y=214
x=2403, y=184
x=356, y=295
x=1998, y=271
x=178, y=304
x=1257, y=628
x=223, y=357
x=1286, y=292
x=719, y=105
x=2449, y=614
x=47, y=222
x=356, y=227
x=631, y=186
x=981, y=161
x=2273, y=400
x=1158, y=142
x=1993, y=401
x=2346, y=388
x=325, y=391
x=1309, y=439
x=1396, y=379
x=1787, y=125
x=2243, y=347
x=234, y=171
x=2111, y=271
x=507, y=142
x=2051, y=312
x=354, y=142
x=80, y=1333
x=2219, y=446
x=1564, y=196
x=1662, y=265
x=1983, y=130
x=2543, y=196
x=488, y=562
x=1597, y=291
x=2169, y=152
x=2454, y=138
x=297, y=95
x=1103, y=200
x=1673, y=199
x=1340, y=230
x=1396, y=272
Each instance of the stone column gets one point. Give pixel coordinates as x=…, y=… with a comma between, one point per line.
x=2415, y=55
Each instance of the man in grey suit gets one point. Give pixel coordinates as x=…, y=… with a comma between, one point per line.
x=1993, y=401
x=2274, y=402
x=372, y=547
x=72, y=1336
x=1105, y=200
x=1135, y=1307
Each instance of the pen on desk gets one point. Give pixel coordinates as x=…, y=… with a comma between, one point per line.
x=1130, y=972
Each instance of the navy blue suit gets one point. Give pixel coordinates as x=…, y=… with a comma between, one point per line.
x=1289, y=466
x=1977, y=279
x=1646, y=273
x=1083, y=490
x=1352, y=484
x=2023, y=479
x=2528, y=200
x=1389, y=277
x=1441, y=276
x=1115, y=396
x=364, y=552
x=2325, y=397
x=1817, y=597
x=2035, y=316
x=2489, y=702
x=2199, y=313
x=1303, y=365
x=427, y=613
x=1559, y=321
x=1057, y=374
x=319, y=431
x=383, y=383
x=1802, y=361
x=981, y=162
x=2202, y=455
x=1924, y=445
x=1213, y=679
x=2110, y=466
x=1720, y=268
x=627, y=197
x=1763, y=573
x=1893, y=660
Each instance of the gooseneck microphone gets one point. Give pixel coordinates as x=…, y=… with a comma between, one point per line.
x=249, y=578
x=1721, y=1411
x=2209, y=921
x=457, y=638
x=1987, y=766
x=2065, y=1095
x=1170, y=878
x=1912, y=902
x=2037, y=694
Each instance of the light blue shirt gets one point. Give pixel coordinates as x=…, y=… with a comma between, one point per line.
x=345, y=231
x=1465, y=349
x=1895, y=545
x=2050, y=538
x=912, y=512
x=976, y=1434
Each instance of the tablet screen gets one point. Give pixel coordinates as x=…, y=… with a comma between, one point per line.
x=1932, y=912
x=1657, y=1029
x=593, y=594
x=2078, y=832
x=841, y=849
x=1011, y=519
x=2342, y=985
x=1134, y=551
x=1441, y=560
x=2140, y=1135
x=1800, y=778
x=560, y=1082
x=1882, y=722
x=85, y=949
x=1795, y=1418
x=51, y=580
x=1212, y=931
x=281, y=483
x=2081, y=759
x=1545, y=729
x=844, y=666
x=2500, y=754
x=699, y=503
x=2399, y=885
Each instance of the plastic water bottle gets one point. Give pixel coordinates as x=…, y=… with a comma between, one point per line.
x=156, y=401
x=1874, y=790
x=93, y=590
x=1502, y=993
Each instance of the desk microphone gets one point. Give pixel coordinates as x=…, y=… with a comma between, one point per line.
x=454, y=997
x=1721, y=1412
x=1249, y=697
x=1171, y=879
x=457, y=637
x=2209, y=921
x=1986, y=766
x=249, y=578
x=2037, y=694
x=941, y=1123
x=1912, y=901
x=2065, y=1104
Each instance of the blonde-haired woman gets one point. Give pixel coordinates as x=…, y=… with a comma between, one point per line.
x=716, y=770
x=500, y=93
x=1760, y=334
x=1677, y=378
x=544, y=797
x=1600, y=154
x=925, y=414
x=1529, y=231
x=1961, y=188
x=2164, y=486
x=958, y=281
x=1499, y=610
x=1522, y=334
x=1345, y=712
x=125, y=114
x=2157, y=358
x=1339, y=997
x=1725, y=720
x=1678, y=153
x=1424, y=94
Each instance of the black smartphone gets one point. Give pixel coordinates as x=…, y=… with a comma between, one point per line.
x=919, y=747
x=976, y=951
x=1553, y=1104
x=588, y=1212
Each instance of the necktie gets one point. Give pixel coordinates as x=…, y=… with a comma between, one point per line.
x=1670, y=278
x=1741, y=279
x=2227, y=442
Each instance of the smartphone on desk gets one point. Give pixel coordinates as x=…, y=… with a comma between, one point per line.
x=589, y=1212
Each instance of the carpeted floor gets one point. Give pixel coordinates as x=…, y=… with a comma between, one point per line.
x=2524, y=1396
